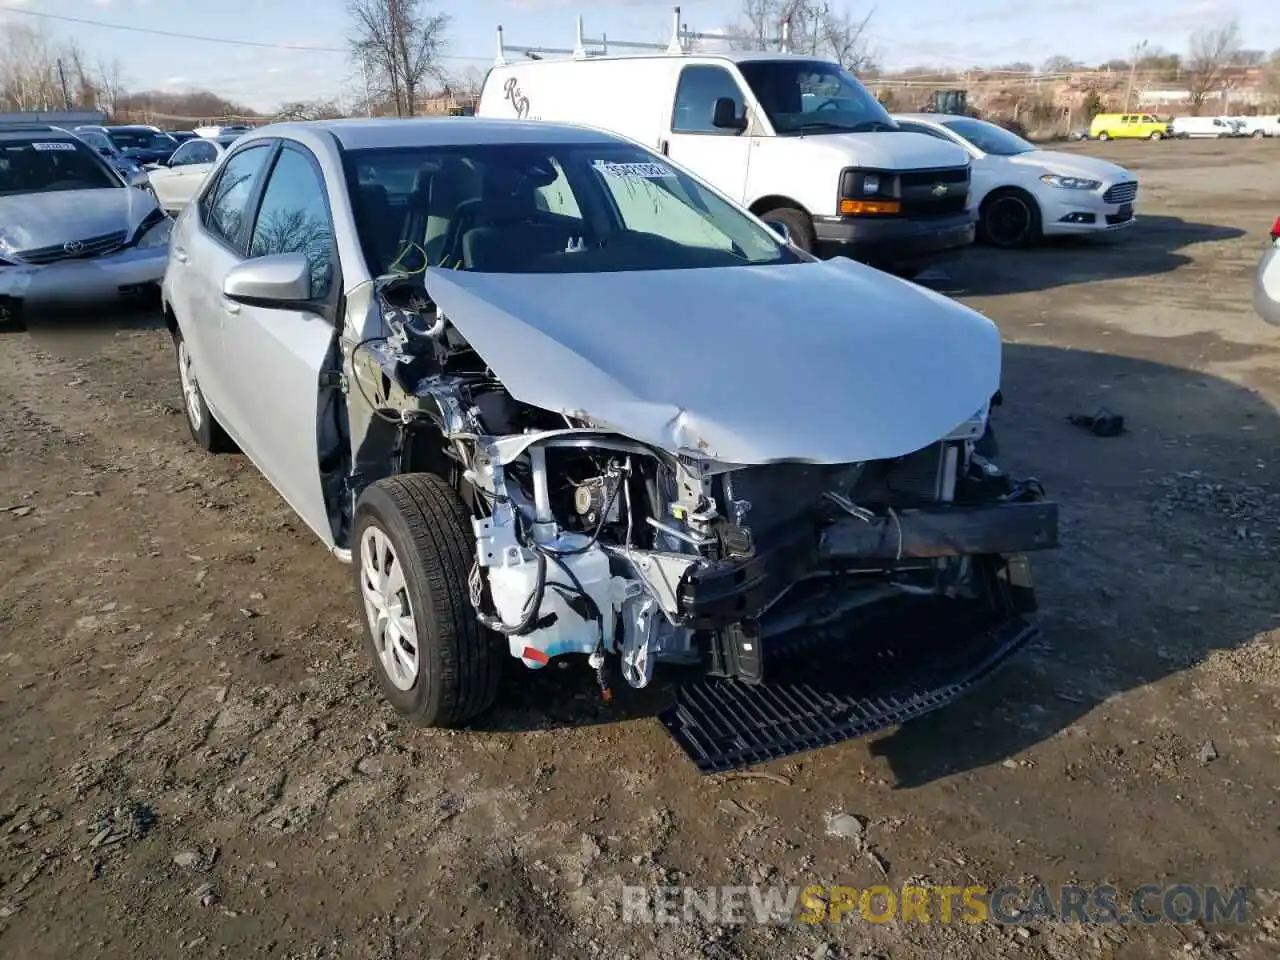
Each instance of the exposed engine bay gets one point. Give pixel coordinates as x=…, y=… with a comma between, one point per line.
x=591, y=542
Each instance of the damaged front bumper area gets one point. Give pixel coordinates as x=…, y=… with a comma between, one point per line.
x=802, y=603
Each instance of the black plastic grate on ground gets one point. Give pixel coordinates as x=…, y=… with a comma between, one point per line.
x=828, y=689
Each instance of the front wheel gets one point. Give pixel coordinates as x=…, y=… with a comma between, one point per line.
x=205, y=431
x=1257, y=134
x=413, y=548
x=1104, y=136
x=1009, y=219
x=799, y=225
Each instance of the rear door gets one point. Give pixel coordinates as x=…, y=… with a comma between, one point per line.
x=718, y=156
x=201, y=254
x=277, y=354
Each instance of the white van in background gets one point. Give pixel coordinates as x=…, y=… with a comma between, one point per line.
x=1201, y=127
x=796, y=140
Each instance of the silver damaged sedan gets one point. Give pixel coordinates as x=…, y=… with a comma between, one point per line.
x=71, y=229
x=555, y=397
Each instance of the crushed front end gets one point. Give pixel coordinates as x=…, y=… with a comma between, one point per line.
x=804, y=603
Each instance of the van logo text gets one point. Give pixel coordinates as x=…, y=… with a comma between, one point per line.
x=519, y=102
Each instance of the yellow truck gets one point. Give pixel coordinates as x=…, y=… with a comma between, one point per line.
x=1116, y=126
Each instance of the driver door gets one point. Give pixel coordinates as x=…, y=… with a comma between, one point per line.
x=720, y=157
x=278, y=352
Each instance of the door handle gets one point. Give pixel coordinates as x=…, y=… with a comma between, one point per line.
x=662, y=147
x=230, y=306
x=180, y=255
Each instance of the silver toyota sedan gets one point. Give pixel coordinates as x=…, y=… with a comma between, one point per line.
x=552, y=395
x=1266, y=286
x=72, y=230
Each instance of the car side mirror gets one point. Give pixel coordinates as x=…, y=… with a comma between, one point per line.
x=724, y=115
x=280, y=280
x=105, y=151
x=780, y=228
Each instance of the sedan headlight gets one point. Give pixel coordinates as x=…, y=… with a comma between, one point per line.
x=1070, y=183
x=157, y=236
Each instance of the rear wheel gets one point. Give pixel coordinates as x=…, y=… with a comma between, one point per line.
x=1008, y=219
x=1156, y=135
x=799, y=225
x=1258, y=134
x=413, y=547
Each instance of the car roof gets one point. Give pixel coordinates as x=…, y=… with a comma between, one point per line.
x=364, y=134
x=733, y=56
x=25, y=131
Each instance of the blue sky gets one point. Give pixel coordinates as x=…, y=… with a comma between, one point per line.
x=905, y=34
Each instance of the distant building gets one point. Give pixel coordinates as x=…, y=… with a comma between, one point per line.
x=59, y=118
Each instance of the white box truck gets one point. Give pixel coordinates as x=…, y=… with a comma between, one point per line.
x=796, y=140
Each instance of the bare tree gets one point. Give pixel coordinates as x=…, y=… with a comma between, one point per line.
x=1209, y=60
x=1060, y=64
x=111, y=86
x=398, y=43
x=309, y=110
x=28, y=69
x=811, y=26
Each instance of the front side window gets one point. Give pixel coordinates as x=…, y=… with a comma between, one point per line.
x=223, y=208
x=696, y=95
x=544, y=208
x=49, y=166
x=813, y=96
x=193, y=151
x=294, y=218
x=988, y=137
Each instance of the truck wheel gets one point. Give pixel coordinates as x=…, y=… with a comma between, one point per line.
x=205, y=431
x=413, y=551
x=799, y=223
x=1009, y=218
x=1104, y=136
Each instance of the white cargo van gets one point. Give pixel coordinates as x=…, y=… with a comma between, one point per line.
x=796, y=140
x=1201, y=127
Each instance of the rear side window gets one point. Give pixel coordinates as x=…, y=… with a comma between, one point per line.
x=294, y=218
x=223, y=209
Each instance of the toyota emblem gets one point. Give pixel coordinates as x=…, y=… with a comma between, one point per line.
x=940, y=189
x=73, y=247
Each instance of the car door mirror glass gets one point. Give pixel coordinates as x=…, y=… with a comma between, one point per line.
x=278, y=280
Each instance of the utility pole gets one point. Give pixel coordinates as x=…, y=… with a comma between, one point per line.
x=1133, y=72
x=368, y=97
x=66, y=94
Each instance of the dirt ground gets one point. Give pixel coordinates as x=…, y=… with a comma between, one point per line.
x=194, y=762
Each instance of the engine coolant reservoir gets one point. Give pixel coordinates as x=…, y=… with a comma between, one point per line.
x=513, y=575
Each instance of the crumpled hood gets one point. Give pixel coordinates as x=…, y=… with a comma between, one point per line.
x=1073, y=165
x=887, y=150
x=30, y=221
x=829, y=362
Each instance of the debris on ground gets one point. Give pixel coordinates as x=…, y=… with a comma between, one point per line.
x=1104, y=423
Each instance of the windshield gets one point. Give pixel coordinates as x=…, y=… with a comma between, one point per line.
x=988, y=137
x=813, y=96
x=142, y=140
x=46, y=166
x=544, y=208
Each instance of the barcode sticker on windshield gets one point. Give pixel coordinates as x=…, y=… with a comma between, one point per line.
x=650, y=171
x=52, y=145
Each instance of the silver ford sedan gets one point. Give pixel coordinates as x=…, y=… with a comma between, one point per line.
x=72, y=230
x=554, y=396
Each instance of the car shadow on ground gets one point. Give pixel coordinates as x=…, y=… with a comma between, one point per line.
x=81, y=331
x=1151, y=247
x=1117, y=613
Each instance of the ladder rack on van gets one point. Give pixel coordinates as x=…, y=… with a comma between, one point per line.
x=681, y=43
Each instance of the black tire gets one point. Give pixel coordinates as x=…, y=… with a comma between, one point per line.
x=430, y=535
x=1155, y=135
x=799, y=224
x=205, y=430
x=1009, y=219
x=1104, y=136
x=1257, y=134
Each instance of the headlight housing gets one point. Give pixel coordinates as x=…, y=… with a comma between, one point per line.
x=154, y=231
x=1070, y=183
